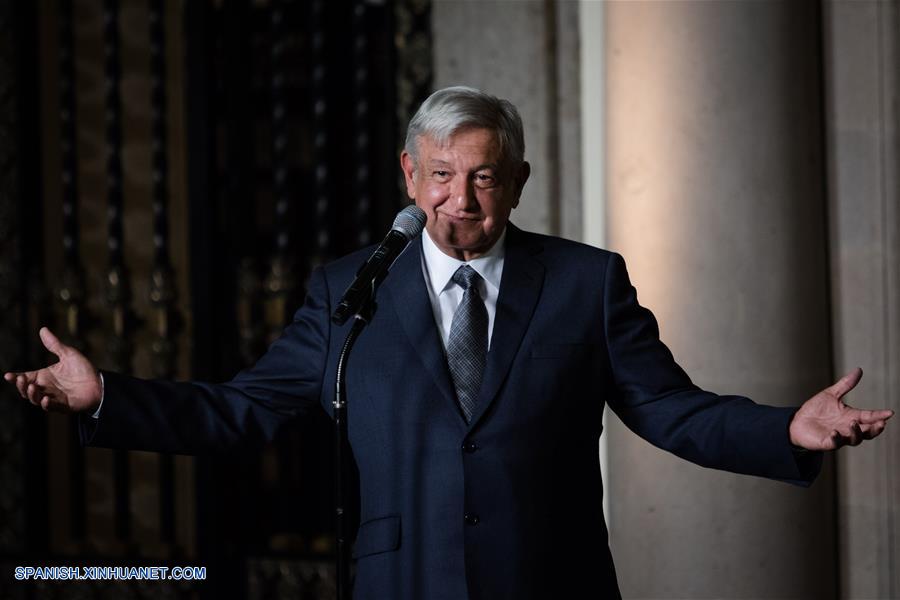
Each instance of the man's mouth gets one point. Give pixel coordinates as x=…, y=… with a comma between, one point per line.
x=461, y=218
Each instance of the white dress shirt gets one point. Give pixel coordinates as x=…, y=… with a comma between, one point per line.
x=445, y=294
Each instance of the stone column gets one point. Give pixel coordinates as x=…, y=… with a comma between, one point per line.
x=715, y=200
x=862, y=62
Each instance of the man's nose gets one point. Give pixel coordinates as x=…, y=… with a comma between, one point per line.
x=464, y=194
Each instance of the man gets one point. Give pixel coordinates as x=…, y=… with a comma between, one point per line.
x=476, y=393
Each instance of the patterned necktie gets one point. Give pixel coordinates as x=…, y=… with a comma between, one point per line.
x=468, y=342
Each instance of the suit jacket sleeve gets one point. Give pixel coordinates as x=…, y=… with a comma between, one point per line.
x=655, y=398
x=191, y=417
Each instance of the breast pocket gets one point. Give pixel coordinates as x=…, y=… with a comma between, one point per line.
x=377, y=535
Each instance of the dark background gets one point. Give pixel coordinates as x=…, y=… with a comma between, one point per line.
x=170, y=173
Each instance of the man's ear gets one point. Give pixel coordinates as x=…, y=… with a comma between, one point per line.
x=408, y=165
x=520, y=178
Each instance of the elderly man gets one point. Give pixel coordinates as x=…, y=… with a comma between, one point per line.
x=477, y=391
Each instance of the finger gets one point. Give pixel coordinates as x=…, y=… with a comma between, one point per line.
x=20, y=380
x=45, y=403
x=856, y=435
x=846, y=383
x=51, y=342
x=873, y=430
x=833, y=441
x=34, y=394
x=22, y=385
x=871, y=416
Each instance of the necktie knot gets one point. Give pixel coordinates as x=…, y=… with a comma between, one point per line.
x=466, y=277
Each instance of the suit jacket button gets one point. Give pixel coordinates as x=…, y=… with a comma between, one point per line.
x=471, y=519
x=470, y=447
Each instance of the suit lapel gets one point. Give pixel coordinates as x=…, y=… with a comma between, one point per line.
x=520, y=288
x=406, y=286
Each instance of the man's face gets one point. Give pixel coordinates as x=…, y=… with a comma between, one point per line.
x=466, y=189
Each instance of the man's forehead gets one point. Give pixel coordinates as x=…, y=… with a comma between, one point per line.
x=486, y=139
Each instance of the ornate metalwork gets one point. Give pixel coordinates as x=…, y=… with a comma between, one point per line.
x=118, y=294
x=118, y=290
x=251, y=332
x=319, y=93
x=279, y=285
x=280, y=281
x=162, y=283
x=12, y=443
x=412, y=41
x=71, y=291
x=280, y=167
x=162, y=297
x=361, y=124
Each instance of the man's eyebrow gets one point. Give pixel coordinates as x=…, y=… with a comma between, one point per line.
x=436, y=162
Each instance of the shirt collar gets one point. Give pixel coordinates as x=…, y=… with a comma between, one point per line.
x=441, y=267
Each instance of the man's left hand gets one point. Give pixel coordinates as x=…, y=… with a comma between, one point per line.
x=824, y=422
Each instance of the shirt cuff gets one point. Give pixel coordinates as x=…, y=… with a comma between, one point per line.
x=96, y=414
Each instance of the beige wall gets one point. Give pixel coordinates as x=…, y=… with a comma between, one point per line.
x=716, y=200
x=863, y=100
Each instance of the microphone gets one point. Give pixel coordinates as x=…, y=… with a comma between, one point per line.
x=408, y=223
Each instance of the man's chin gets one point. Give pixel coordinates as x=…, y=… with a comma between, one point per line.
x=471, y=249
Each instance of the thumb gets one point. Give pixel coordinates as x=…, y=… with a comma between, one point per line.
x=847, y=382
x=51, y=342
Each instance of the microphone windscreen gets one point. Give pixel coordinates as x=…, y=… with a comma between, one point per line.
x=410, y=221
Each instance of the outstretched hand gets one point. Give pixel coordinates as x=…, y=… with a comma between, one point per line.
x=70, y=385
x=824, y=422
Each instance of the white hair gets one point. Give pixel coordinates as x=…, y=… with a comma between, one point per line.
x=447, y=111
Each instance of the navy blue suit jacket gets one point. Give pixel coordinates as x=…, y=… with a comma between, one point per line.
x=569, y=338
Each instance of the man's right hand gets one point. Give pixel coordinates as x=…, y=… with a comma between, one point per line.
x=71, y=385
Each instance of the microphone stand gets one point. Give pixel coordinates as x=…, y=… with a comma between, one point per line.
x=342, y=443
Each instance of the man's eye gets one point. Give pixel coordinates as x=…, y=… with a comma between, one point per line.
x=484, y=180
x=441, y=173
